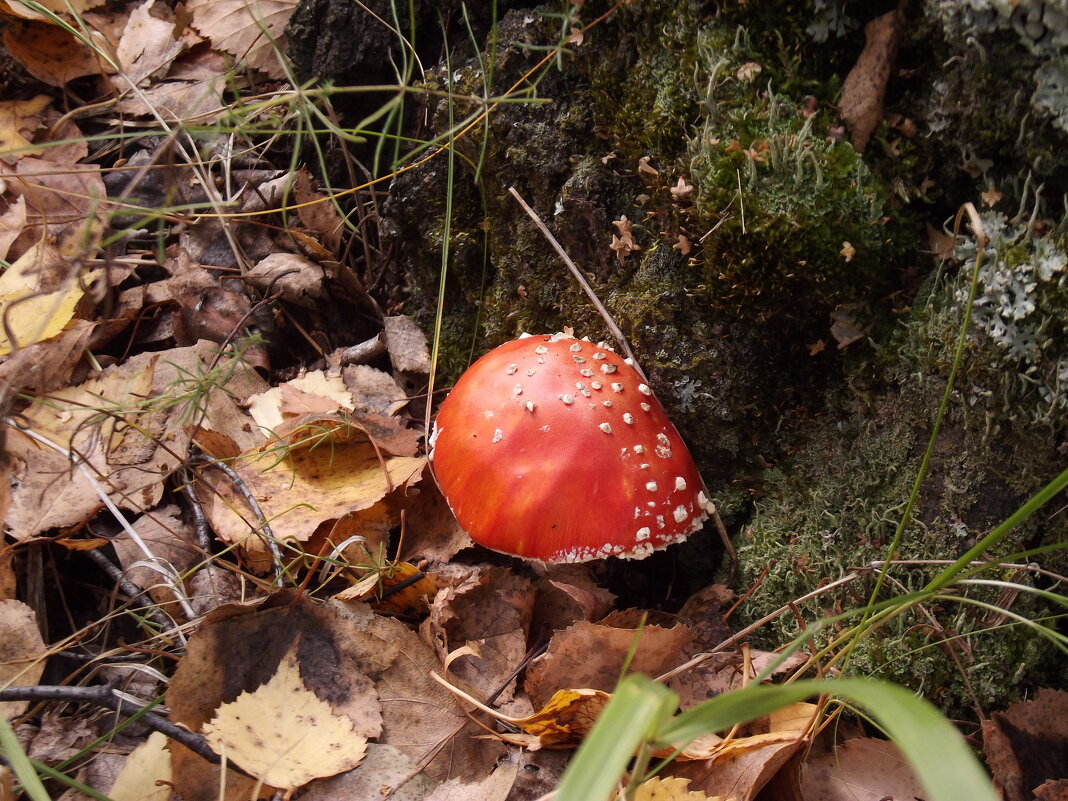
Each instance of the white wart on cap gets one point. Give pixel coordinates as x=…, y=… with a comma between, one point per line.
x=553, y=448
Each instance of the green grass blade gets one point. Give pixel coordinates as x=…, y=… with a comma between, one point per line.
x=938, y=753
x=637, y=709
x=20, y=763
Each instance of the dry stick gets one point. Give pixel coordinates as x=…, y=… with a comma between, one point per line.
x=616, y=332
x=263, y=528
x=104, y=695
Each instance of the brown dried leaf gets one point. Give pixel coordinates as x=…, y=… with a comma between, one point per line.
x=591, y=656
x=492, y=609
x=386, y=772
x=431, y=530
x=62, y=201
x=861, y=769
x=1028, y=743
x=670, y=788
x=49, y=53
x=245, y=29
x=148, y=45
x=299, y=279
x=169, y=539
x=495, y=787
x=407, y=345
x=861, y=102
x=128, y=444
x=22, y=652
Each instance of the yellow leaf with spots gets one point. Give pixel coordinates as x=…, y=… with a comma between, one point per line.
x=284, y=734
x=670, y=789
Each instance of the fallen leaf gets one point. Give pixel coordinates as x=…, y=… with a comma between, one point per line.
x=1027, y=744
x=167, y=539
x=592, y=655
x=492, y=608
x=19, y=121
x=31, y=312
x=146, y=773
x=406, y=343
x=861, y=769
x=495, y=787
x=848, y=251
x=298, y=490
x=283, y=733
x=62, y=201
x=670, y=788
x=299, y=280
x=128, y=441
x=22, y=652
x=861, y=101
x=49, y=53
x=251, y=30
x=149, y=43
x=566, y=719
x=268, y=407
x=386, y=772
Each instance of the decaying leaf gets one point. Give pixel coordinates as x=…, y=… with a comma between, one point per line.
x=592, y=655
x=297, y=490
x=495, y=787
x=861, y=769
x=128, y=441
x=22, y=652
x=251, y=30
x=861, y=102
x=282, y=732
x=492, y=608
x=386, y=772
x=1028, y=743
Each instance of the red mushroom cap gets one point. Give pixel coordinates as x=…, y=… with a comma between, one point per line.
x=553, y=448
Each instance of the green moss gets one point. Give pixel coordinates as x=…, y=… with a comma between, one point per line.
x=834, y=506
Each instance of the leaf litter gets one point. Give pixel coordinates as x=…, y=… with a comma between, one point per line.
x=322, y=622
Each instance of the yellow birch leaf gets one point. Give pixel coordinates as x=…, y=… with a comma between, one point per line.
x=669, y=789
x=282, y=733
x=29, y=314
x=146, y=774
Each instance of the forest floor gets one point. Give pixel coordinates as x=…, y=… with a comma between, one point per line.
x=223, y=544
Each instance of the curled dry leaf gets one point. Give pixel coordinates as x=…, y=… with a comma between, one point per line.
x=492, y=609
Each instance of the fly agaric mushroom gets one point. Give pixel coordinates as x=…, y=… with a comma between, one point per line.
x=554, y=448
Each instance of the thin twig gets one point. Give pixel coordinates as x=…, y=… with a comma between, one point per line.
x=616, y=332
x=104, y=695
x=262, y=528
